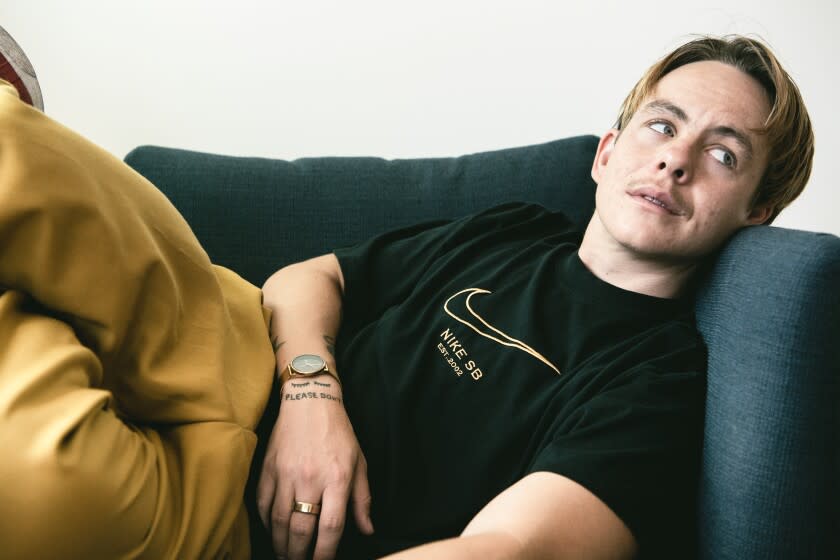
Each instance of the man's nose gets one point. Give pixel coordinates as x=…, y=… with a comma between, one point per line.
x=675, y=160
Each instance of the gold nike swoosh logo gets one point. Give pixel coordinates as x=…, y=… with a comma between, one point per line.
x=489, y=331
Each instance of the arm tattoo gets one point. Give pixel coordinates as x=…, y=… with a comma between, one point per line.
x=276, y=343
x=330, y=344
x=308, y=395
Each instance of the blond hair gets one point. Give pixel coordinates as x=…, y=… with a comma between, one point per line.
x=788, y=127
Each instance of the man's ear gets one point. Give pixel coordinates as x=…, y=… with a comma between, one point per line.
x=759, y=215
x=602, y=156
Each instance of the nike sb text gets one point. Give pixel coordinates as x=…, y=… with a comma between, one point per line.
x=460, y=352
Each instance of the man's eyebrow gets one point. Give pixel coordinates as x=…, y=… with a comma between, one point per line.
x=662, y=105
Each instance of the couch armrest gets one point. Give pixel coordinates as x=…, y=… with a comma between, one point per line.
x=770, y=315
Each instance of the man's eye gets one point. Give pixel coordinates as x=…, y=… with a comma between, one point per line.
x=662, y=128
x=724, y=156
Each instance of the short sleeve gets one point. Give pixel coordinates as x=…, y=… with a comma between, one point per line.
x=637, y=447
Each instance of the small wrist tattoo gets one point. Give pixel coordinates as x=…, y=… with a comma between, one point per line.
x=309, y=395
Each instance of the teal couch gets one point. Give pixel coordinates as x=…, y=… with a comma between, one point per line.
x=768, y=308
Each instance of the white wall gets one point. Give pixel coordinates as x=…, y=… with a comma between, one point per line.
x=395, y=78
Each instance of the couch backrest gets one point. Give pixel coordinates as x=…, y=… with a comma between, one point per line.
x=254, y=215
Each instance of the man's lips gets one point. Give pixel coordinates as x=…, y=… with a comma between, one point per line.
x=659, y=198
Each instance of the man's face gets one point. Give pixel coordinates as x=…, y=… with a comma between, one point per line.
x=679, y=179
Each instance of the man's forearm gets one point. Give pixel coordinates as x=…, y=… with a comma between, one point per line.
x=305, y=300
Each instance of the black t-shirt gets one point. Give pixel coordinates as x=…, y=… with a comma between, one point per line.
x=478, y=351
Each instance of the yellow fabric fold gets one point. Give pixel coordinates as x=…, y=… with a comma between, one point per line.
x=132, y=370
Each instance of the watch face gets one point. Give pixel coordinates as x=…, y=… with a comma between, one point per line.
x=307, y=364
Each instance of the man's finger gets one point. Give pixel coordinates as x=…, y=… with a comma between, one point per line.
x=361, y=499
x=281, y=512
x=301, y=529
x=266, y=489
x=331, y=522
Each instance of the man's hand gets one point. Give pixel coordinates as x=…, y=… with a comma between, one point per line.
x=313, y=456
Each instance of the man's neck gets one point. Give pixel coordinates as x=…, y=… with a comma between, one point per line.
x=622, y=267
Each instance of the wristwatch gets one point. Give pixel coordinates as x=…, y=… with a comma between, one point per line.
x=306, y=365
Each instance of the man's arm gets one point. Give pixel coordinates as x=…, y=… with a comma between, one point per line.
x=305, y=299
x=313, y=455
x=543, y=516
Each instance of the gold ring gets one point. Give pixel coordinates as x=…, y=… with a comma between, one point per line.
x=306, y=507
